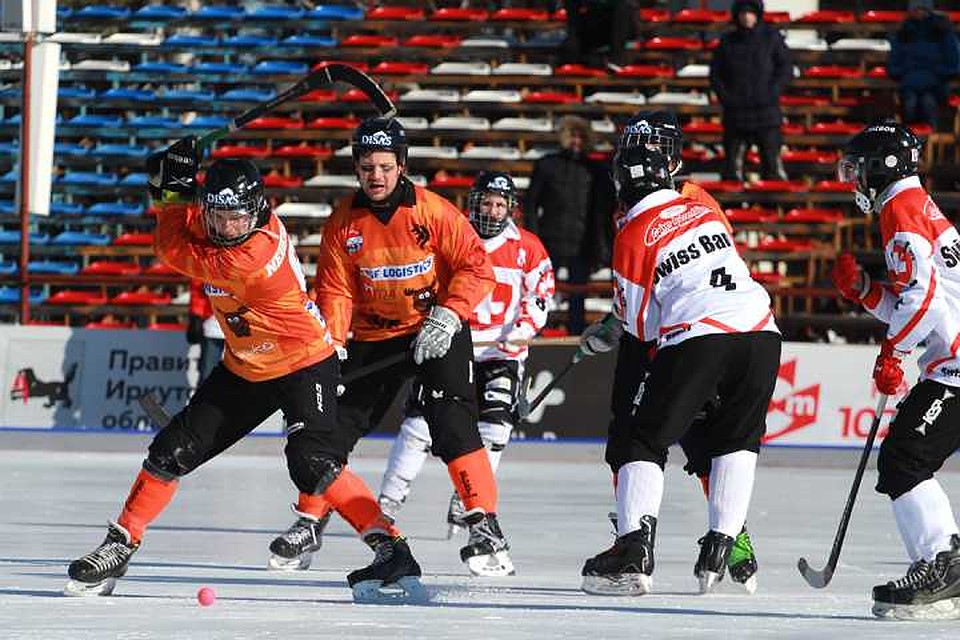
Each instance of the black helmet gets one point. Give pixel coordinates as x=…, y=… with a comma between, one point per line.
x=232, y=202
x=380, y=134
x=498, y=183
x=876, y=157
x=638, y=171
x=660, y=129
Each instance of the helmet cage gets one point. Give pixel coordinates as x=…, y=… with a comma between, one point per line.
x=486, y=224
x=229, y=217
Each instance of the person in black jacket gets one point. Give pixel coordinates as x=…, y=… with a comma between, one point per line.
x=748, y=72
x=570, y=204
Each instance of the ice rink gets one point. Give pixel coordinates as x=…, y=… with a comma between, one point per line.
x=554, y=500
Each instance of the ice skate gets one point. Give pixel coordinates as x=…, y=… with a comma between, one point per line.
x=715, y=548
x=486, y=552
x=294, y=549
x=929, y=591
x=392, y=578
x=455, y=515
x=96, y=573
x=626, y=568
x=742, y=562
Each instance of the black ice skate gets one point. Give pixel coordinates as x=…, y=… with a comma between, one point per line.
x=392, y=578
x=715, y=548
x=294, y=549
x=96, y=573
x=486, y=552
x=626, y=568
x=927, y=592
x=455, y=516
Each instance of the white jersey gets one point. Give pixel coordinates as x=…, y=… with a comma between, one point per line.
x=518, y=305
x=677, y=274
x=922, y=301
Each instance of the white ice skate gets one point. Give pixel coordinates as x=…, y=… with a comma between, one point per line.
x=487, y=552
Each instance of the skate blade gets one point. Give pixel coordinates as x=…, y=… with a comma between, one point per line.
x=749, y=585
x=941, y=610
x=708, y=581
x=491, y=565
x=406, y=590
x=453, y=530
x=624, y=584
x=300, y=563
x=85, y=589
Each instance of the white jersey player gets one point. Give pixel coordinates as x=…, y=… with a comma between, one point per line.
x=920, y=303
x=679, y=281
x=504, y=321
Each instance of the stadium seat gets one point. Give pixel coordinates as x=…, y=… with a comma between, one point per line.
x=208, y=122
x=646, y=71
x=396, y=13
x=463, y=123
x=752, y=215
x=579, y=70
x=159, y=12
x=101, y=12
x=240, y=151
x=804, y=101
x=280, y=67
x=721, y=186
x=433, y=41
x=502, y=96
x=53, y=267
x=66, y=209
x=91, y=64
x=357, y=95
x=776, y=17
x=134, y=178
x=248, y=95
x=673, y=43
x=219, y=68
x=80, y=238
x=333, y=12
x=811, y=156
x=131, y=238
x=9, y=268
x=832, y=186
x=11, y=295
x=703, y=126
x=483, y=152
x=438, y=152
x=191, y=41
x=87, y=177
x=249, y=40
x=838, y=127
x=451, y=182
x=655, y=15
x=219, y=12
x=111, y=268
x=813, y=215
x=188, y=95
x=543, y=125
x=282, y=182
x=95, y=120
x=454, y=14
x=303, y=151
x=124, y=93
x=109, y=150
x=551, y=97
x=275, y=122
x=828, y=16
x=65, y=149
x=153, y=122
x=792, y=128
x=523, y=69
x=319, y=95
x=784, y=246
x=832, y=71
x=140, y=297
x=307, y=40
x=701, y=16
x=304, y=209
x=275, y=12
x=400, y=68
x=160, y=269
x=616, y=97
x=80, y=93
x=161, y=68
x=791, y=186
x=883, y=17
x=333, y=123
x=141, y=40
x=431, y=95
x=462, y=68
x=118, y=208
x=77, y=297
x=369, y=41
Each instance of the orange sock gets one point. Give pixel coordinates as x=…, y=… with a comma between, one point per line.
x=473, y=479
x=705, y=483
x=314, y=505
x=148, y=497
x=352, y=499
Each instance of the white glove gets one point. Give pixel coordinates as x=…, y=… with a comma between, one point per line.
x=436, y=334
x=602, y=336
x=516, y=339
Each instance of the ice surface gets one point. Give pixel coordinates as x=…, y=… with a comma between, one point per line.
x=54, y=504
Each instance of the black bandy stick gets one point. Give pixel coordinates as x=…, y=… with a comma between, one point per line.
x=818, y=579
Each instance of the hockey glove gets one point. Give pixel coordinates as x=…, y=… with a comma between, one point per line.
x=194, y=329
x=602, y=336
x=849, y=278
x=515, y=341
x=174, y=169
x=887, y=372
x=436, y=334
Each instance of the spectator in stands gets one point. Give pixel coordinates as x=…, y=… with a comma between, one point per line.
x=924, y=56
x=598, y=30
x=570, y=204
x=748, y=72
x=203, y=328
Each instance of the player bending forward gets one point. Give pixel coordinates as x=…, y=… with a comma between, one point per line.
x=401, y=267
x=679, y=281
x=279, y=355
x=512, y=314
x=921, y=304
x=661, y=130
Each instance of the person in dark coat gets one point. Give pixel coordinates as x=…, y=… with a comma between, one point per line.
x=924, y=56
x=748, y=72
x=569, y=205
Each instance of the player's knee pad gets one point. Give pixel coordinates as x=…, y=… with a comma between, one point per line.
x=415, y=432
x=495, y=435
x=175, y=451
x=311, y=471
x=453, y=423
x=898, y=471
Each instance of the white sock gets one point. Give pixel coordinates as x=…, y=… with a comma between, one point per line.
x=731, y=486
x=925, y=520
x=407, y=456
x=639, y=492
x=494, y=434
x=494, y=457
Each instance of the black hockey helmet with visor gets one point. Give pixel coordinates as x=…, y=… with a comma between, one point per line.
x=639, y=171
x=657, y=129
x=380, y=134
x=875, y=158
x=232, y=201
x=485, y=216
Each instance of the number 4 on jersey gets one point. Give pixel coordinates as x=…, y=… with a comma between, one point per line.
x=720, y=278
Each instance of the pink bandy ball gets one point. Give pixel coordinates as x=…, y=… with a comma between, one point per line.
x=206, y=597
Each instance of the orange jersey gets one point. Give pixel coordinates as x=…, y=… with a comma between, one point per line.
x=698, y=194
x=258, y=292
x=381, y=279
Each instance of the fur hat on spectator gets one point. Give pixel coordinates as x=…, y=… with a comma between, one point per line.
x=739, y=6
x=578, y=125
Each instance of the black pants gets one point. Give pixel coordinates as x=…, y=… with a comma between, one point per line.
x=227, y=407
x=925, y=432
x=445, y=388
x=737, y=369
x=735, y=145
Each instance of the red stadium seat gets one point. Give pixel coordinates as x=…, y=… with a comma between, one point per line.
x=721, y=186
x=579, y=70
x=369, y=41
x=451, y=182
x=767, y=278
x=785, y=245
x=74, y=296
x=601, y=156
x=319, y=95
x=400, y=68
x=133, y=239
x=878, y=72
x=646, y=71
x=396, y=13
x=704, y=126
x=276, y=122
x=954, y=16
x=804, y=101
x=776, y=17
x=140, y=297
x=551, y=97
x=303, y=151
x=453, y=14
x=356, y=95
x=791, y=186
x=813, y=215
x=333, y=123
x=360, y=66
x=752, y=215
x=520, y=15
x=167, y=326
x=111, y=268
x=655, y=15
x=832, y=186
x=827, y=16
x=921, y=129
x=282, y=182
x=673, y=43
x=433, y=41
x=701, y=16
x=839, y=127
x=890, y=17
x=791, y=129
x=560, y=15
x=689, y=154
x=239, y=151
x=160, y=269
x=955, y=100
x=810, y=155
x=832, y=71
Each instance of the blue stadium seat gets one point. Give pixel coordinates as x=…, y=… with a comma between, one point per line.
x=122, y=150
x=335, y=12
x=82, y=93
x=219, y=12
x=280, y=67
x=66, y=209
x=275, y=12
x=208, y=122
x=245, y=40
x=6, y=206
x=134, y=179
x=161, y=67
x=102, y=12
x=118, y=208
x=11, y=295
x=123, y=93
x=87, y=177
x=188, y=95
x=248, y=95
x=225, y=68
x=64, y=13
x=189, y=40
x=308, y=40
x=9, y=93
x=53, y=267
x=9, y=147
x=8, y=268
x=69, y=149
x=159, y=12
x=147, y=122
x=95, y=120
x=10, y=176
x=13, y=237
x=81, y=238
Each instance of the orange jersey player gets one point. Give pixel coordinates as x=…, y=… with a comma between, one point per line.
x=402, y=267
x=279, y=356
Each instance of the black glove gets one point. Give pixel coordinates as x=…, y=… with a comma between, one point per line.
x=174, y=169
x=194, y=329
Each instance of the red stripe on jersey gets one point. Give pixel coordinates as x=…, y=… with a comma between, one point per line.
x=954, y=347
x=903, y=333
